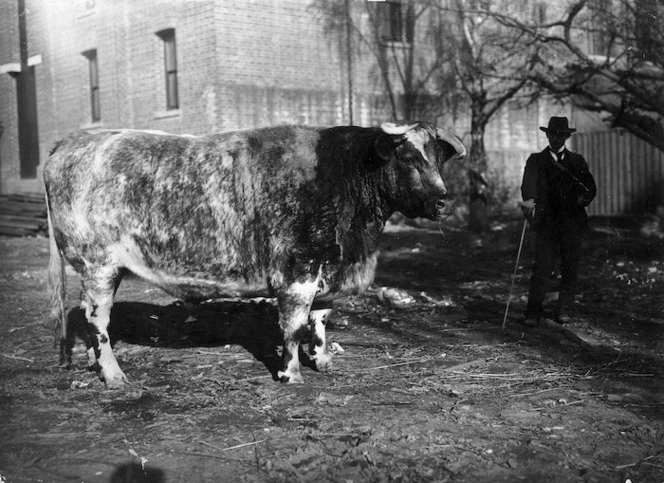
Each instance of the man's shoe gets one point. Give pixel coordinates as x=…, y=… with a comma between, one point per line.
x=564, y=318
x=531, y=322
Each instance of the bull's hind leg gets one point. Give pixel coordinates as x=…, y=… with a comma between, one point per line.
x=318, y=352
x=294, y=305
x=98, y=291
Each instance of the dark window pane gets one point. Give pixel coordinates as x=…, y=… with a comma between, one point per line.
x=95, y=110
x=390, y=21
x=172, y=90
x=96, y=113
x=169, y=55
x=170, y=67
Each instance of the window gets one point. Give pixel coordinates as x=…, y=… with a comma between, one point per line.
x=599, y=40
x=171, y=68
x=646, y=31
x=95, y=110
x=390, y=22
x=539, y=13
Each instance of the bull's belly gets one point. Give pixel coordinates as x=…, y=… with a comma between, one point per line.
x=202, y=286
x=334, y=280
x=198, y=289
x=186, y=283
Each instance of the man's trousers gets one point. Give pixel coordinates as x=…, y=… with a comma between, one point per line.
x=555, y=239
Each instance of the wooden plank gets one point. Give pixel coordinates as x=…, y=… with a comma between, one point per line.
x=33, y=220
x=20, y=224
x=26, y=198
x=22, y=214
x=17, y=207
x=15, y=231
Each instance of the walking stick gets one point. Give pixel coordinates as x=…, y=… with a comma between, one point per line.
x=516, y=267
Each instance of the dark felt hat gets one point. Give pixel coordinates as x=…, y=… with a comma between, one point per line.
x=558, y=125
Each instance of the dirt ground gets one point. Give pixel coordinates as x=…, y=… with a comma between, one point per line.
x=427, y=384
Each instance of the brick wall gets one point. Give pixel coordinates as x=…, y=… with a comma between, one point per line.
x=241, y=64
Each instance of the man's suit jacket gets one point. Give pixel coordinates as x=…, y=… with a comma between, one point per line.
x=557, y=189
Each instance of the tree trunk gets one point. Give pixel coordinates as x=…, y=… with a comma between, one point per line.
x=478, y=219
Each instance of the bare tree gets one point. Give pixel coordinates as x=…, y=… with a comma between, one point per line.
x=453, y=53
x=398, y=41
x=607, y=56
x=490, y=63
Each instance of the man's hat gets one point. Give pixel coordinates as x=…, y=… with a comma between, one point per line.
x=558, y=125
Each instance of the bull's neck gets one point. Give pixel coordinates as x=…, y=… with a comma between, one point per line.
x=370, y=212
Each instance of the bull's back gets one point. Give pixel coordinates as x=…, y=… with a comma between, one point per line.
x=102, y=185
x=196, y=207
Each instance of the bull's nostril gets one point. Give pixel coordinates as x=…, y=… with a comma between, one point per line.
x=443, y=208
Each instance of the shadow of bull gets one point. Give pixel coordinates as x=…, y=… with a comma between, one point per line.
x=252, y=325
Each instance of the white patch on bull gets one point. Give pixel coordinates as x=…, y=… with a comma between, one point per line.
x=100, y=164
x=306, y=141
x=294, y=307
x=121, y=182
x=318, y=352
x=92, y=358
x=418, y=138
x=323, y=287
x=99, y=315
x=276, y=279
x=80, y=219
x=360, y=276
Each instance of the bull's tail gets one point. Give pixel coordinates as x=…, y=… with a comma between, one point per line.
x=57, y=289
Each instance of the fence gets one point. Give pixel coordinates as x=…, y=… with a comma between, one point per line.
x=629, y=172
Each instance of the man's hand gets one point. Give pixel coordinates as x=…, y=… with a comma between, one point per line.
x=528, y=207
x=581, y=201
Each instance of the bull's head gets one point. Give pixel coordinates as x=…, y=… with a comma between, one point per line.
x=417, y=153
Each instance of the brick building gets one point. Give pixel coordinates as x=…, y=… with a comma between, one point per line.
x=200, y=66
x=195, y=67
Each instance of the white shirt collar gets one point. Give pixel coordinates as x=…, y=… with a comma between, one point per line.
x=558, y=154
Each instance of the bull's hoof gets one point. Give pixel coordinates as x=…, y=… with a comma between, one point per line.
x=290, y=378
x=118, y=381
x=323, y=362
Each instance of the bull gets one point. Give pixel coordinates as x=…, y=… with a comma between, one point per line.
x=290, y=212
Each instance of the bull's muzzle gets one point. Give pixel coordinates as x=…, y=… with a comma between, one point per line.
x=441, y=208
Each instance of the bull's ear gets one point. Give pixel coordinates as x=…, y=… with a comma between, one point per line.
x=392, y=135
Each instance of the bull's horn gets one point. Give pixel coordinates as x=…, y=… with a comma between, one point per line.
x=450, y=138
x=397, y=130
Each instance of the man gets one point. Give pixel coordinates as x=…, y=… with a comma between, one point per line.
x=557, y=186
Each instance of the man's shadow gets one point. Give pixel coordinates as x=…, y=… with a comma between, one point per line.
x=252, y=325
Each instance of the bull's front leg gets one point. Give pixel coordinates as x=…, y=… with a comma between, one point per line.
x=318, y=352
x=294, y=305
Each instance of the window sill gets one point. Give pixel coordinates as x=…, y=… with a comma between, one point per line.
x=395, y=44
x=92, y=126
x=167, y=114
x=89, y=13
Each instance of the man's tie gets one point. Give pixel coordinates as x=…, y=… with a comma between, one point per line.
x=558, y=156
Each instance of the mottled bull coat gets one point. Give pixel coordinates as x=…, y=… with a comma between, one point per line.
x=288, y=212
